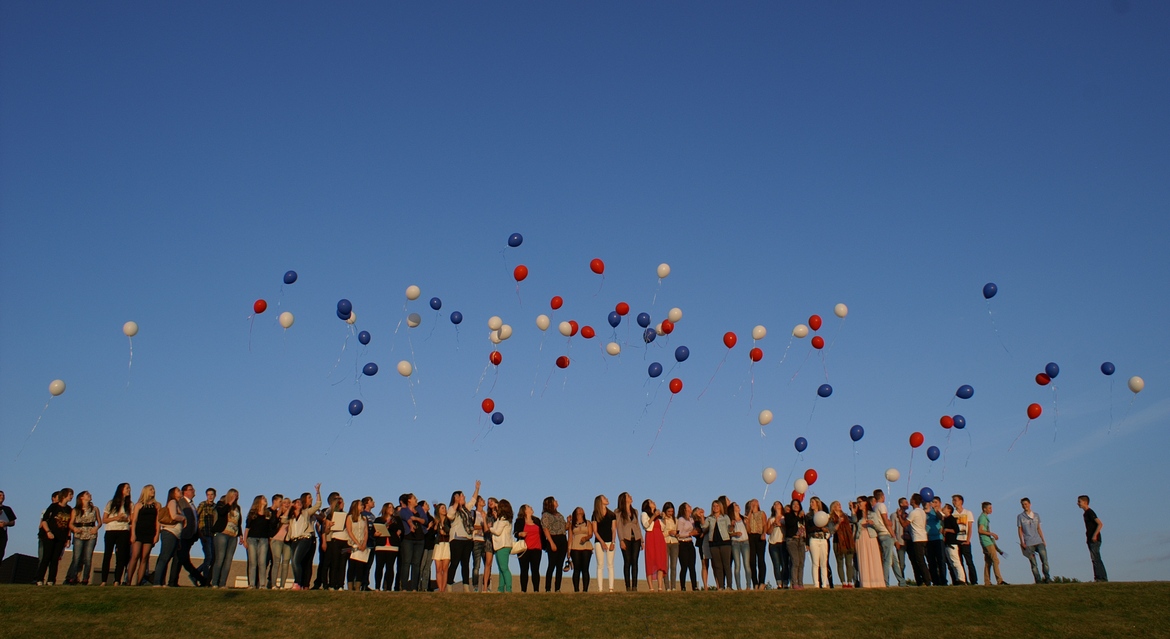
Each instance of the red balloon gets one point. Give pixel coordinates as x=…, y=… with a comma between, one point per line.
x=818, y=342
x=587, y=332
x=597, y=266
x=729, y=339
x=947, y=421
x=667, y=326
x=562, y=362
x=1043, y=379
x=488, y=405
x=810, y=476
x=520, y=273
x=814, y=322
x=1034, y=411
x=259, y=306
x=495, y=358
x=916, y=439
x=798, y=496
x=573, y=327
x=556, y=302
x=622, y=308
x=756, y=354
x=675, y=385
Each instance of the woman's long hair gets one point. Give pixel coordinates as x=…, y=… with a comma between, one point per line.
x=257, y=505
x=121, y=502
x=625, y=509
x=549, y=506
x=504, y=510
x=88, y=508
x=599, y=510
x=355, y=510
x=575, y=519
x=146, y=497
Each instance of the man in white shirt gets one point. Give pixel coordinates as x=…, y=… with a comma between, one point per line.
x=966, y=531
x=887, y=540
x=918, y=541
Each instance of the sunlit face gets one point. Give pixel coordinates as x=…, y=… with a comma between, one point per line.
x=605, y=501
x=126, y=490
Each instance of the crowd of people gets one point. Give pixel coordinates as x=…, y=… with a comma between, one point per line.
x=414, y=546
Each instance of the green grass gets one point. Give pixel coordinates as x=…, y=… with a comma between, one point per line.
x=1080, y=610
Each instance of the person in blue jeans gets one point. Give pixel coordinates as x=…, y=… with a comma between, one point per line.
x=205, y=515
x=1032, y=540
x=410, y=553
x=1093, y=526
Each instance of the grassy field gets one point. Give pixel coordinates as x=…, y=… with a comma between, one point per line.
x=1072, y=610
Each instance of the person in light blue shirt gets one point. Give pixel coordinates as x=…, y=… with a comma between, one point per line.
x=1032, y=541
x=936, y=557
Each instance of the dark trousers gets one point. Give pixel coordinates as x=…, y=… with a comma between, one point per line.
x=530, y=561
x=721, y=565
x=3, y=542
x=918, y=562
x=51, y=556
x=686, y=562
x=183, y=560
x=460, y=558
x=322, y=580
x=335, y=557
x=117, y=546
x=556, y=561
x=965, y=556
x=633, y=548
x=581, y=559
x=384, y=569
x=757, y=559
x=302, y=561
x=936, y=560
x=410, y=556
x=1098, y=565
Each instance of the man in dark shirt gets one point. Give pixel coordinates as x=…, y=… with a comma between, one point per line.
x=54, y=532
x=1093, y=526
x=187, y=539
x=206, y=516
x=7, y=520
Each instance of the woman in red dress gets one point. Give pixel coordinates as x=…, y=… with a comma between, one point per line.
x=656, y=565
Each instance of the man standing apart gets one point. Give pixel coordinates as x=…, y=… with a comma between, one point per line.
x=7, y=520
x=1032, y=540
x=207, y=516
x=991, y=551
x=1093, y=526
x=966, y=524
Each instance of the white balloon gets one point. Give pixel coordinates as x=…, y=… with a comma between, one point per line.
x=892, y=475
x=130, y=329
x=405, y=369
x=413, y=320
x=658, y=329
x=765, y=419
x=56, y=387
x=286, y=319
x=565, y=328
x=613, y=348
x=542, y=322
x=841, y=310
x=759, y=332
x=505, y=332
x=769, y=475
x=412, y=292
x=663, y=271
x=352, y=318
x=800, y=486
x=494, y=322
x=1136, y=384
x=494, y=336
x=821, y=519
x=800, y=331
x=674, y=315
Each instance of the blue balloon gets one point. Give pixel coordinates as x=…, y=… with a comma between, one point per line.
x=1108, y=368
x=681, y=354
x=355, y=407
x=960, y=422
x=926, y=494
x=364, y=337
x=369, y=370
x=648, y=335
x=436, y=303
x=514, y=240
x=966, y=391
x=614, y=319
x=1052, y=370
x=290, y=277
x=800, y=444
x=933, y=453
x=344, y=307
x=825, y=390
x=643, y=319
x=989, y=290
x=497, y=418
x=343, y=316
x=856, y=433
x=655, y=369
x=456, y=317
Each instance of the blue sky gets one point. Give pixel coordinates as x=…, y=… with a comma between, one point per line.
x=168, y=164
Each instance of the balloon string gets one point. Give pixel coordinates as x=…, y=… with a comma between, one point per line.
x=1110, y=431
x=339, y=355
x=518, y=295
x=910, y=473
x=655, y=298
x=251, y=323
x=480, y=383
x=434, y=325
x=546, y=381
x=766, y=487
x=814, y=409
x=410, y=385
x=456, y=338
x=599, y=287
x=1022, y=433
x=996, y=329
x=824, y=367
x=854, y=466
x=798, y=368
x=130, y=365
x=660, y=425
x=336, y=437
x=714, y=374
x=1130, y=407
x=795, y=460
x=1055, y=411
x=495, y=378
x=786, y=348
x=34, y=429
x=412, y=360
x=840, y=327
x=480, y=423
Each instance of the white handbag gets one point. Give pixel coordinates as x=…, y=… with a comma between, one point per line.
x=519, y=547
